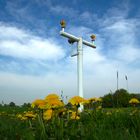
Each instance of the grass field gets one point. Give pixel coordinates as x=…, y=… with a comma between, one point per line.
x=67, y=123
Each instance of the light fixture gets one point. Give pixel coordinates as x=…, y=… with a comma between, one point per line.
x=79, y=54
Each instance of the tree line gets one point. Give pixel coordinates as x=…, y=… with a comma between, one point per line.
x=120, y=98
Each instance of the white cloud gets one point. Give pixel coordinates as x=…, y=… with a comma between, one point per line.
x=23, y=44
x=64, y=10
x=123, y=38
x=129, y=54
x=117, y=49
x=24, y=88
x=80, y=31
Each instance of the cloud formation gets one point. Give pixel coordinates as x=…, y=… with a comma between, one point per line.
x=20, y=43
x=33, y=66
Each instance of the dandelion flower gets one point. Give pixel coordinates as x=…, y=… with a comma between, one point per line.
x=19, y=116
x=99, y=99
x=76, y=100
x=74, y=116
x=92, y=99
x=54, y=103
x=52, y=96
x=47, y=115
x=39, y=103
x=86, y=101
x=23, y=118
x=134, y=101
x=30, y=114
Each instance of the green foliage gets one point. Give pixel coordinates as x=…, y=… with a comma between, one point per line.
x=108, y=100
x=134, y=95
x=117, y=121
x=121, y=98
x=118, y=99
x=12, y=104
x=14, y=129
x=103, y=124
x=26, y=105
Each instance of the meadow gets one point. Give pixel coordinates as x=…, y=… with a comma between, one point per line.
x=51, y=119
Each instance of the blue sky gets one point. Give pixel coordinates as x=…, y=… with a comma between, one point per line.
x=35, y=60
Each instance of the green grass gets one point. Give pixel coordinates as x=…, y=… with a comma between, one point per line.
x=104, y=124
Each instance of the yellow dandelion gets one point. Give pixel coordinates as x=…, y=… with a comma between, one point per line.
x=19, y=116
x=76, y=100
x=23, y=118
x=92, y=99
x=134, y=101
x=61, y=111
x=39, y=103
x=52, y=96
x=47, y=115
x=30, y=114
x=86, y=101
x=54, y=103
x=99, y=99
x=74, y=116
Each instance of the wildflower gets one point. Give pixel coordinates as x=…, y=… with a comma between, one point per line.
x=92, y=100
x=108, y=113
x=69, y=111
x=61, y=112
x=134, y=101
x=86, y=101
x=99, y=99
x=52, y=97
x=23, y=118
x=99, y=107
x=39, y=103
x=54, y=103
x=30, y=114
x=47, y=115
x=19, y=116
x=76, y=100
x=74, y=116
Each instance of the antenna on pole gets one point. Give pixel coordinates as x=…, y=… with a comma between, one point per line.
x=126, y=78
x=72, y=39
x=117, y=79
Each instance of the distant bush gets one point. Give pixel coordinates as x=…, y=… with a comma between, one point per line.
x=120, y=98
x=12, y=104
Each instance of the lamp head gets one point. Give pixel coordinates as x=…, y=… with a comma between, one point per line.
x=71, y=41
x=63, y=23
x=93, y=37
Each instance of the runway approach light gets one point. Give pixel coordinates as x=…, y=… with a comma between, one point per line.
x=93, y=37
x=79, y=40
x=63, y=24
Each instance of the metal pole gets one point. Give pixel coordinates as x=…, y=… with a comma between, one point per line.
x=80, y=42
x=80, y=69
x=126, y=78
x=117, y=79
x=127, y=84
x=76, y=39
